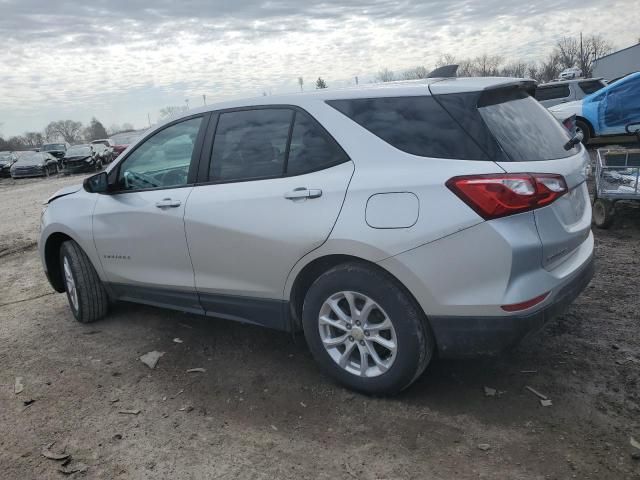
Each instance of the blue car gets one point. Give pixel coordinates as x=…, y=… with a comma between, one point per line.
x=607, y=111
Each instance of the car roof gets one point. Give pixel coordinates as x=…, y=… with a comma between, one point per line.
x=404, y=88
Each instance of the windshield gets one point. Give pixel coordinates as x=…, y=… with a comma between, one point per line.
x=78, y=152
x=52, y=147
x=525, y=130
x=5, y=156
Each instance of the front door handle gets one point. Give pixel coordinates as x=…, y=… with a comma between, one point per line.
x=303, y=192
x=168, y=203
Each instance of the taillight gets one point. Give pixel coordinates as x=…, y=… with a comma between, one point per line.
x=499, y=195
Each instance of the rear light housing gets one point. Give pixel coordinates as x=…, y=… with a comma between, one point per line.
x=517, y=307
x=500, y=195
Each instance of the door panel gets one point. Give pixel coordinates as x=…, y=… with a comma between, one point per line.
x=245, y=237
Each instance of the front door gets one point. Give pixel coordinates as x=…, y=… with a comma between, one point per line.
x=277, y=181
x=139, y=227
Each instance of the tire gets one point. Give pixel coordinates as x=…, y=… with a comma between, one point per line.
x=603, y=213
x=410, y=333
x=98, y=165
x=47, y=172
x=586, y=131
x=90, y=301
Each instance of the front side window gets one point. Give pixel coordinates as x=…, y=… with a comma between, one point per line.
x=163, y=160
x=250, y=144
x=551, y=92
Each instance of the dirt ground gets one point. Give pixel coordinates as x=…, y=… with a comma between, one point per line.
x=263, y=410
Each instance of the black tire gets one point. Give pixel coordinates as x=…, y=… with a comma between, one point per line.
x=47, y=172
x=586, y=131
x=603, y=213
x=92, y=299
x=415, y=345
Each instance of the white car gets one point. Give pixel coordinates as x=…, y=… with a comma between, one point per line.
x=388, y=223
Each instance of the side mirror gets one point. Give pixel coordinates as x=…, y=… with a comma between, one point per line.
x=98, y=183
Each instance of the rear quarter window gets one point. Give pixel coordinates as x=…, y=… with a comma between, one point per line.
x=591, y=86
x=551, y=92
x=415, y=125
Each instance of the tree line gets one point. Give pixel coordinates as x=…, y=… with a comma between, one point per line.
x=69, y=131
x=568, y=52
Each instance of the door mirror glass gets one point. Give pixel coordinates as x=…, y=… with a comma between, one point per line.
x=98, y=183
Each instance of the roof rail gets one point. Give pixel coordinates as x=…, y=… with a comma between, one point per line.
x=446, y=71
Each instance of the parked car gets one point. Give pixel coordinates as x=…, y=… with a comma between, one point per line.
x=56, y=149
x=607, y=111
x=6, y=160
x=104, y=153
x=34, y=164
x=570, y=73
x=81, y=158
x=387, y=223
x=108, y=155
x=553, y=93
x=122, y=140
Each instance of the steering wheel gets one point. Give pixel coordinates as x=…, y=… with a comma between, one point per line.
x=174, y=177
x=139, y=180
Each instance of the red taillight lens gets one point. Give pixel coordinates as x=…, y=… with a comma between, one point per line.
x=500, y=195
x=516, y=307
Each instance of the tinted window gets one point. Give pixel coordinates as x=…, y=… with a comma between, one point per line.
x=311, y=148
x=416, y=125
x=250, y=144
x=162, y=160
x=524, y=128
x=549, y=92
x=591, y=86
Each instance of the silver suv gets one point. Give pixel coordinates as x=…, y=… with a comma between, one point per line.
x=564, y=91
x=388, y=223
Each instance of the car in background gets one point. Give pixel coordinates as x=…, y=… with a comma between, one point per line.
x=607, y=111
x=105, y=153
x=122, y=140
x=563, y=91
x=6, y=160
x=81, y=158
x=108, y=144
x=56, y=149
x=34, y=164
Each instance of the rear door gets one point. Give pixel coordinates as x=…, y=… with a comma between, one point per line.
x=533, y=141
x=272, y=193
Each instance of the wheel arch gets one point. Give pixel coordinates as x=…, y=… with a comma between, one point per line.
x=52, y=259
x=588, y=124
x=311, y=271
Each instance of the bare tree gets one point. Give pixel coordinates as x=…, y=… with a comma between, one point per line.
x=300, y=82
x=550, y=68
x=33, y=139
x=385, y=75
x=516, y=69
x=415, y=73
x=593, y=47
x=487, y=65
x=533, y=72
x=320, y=83
x=446, y=59
x=568, y=51
x=67, y=130
x=172, y=110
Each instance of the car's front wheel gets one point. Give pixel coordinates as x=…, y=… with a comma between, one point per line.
x=87, y=296
x=365, y=330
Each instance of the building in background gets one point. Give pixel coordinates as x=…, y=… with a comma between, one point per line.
x=618, y=64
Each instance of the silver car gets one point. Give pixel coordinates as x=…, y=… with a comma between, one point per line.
x=389, y=223
x=564, y=91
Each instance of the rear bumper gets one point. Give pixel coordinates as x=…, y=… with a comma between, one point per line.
x=458, y=337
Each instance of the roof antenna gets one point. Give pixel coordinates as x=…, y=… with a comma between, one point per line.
x=446, y=71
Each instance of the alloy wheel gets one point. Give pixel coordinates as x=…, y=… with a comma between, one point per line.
x=357, y=334
x=70, y=284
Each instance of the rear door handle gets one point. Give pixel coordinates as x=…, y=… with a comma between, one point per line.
x=303, y=192
x=168, y=203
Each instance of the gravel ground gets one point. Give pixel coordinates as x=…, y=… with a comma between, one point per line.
x=262, y=409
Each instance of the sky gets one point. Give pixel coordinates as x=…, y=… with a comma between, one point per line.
x=123, y=60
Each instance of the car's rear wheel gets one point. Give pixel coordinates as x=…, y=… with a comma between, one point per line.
x=603, y=213
x=582, y=127
x=365, y=330
x=87, y=296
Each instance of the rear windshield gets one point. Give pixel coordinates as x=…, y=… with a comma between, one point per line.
x=525, y=130
x=416, y=125
x=591, y=86
x=549, y=92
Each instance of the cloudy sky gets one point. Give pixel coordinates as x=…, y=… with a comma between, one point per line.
x=122, y=60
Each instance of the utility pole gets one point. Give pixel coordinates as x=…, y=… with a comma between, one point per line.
x=149, y=118
x=356, y=80
x=204, y=99
x=186, y=100
x=581, y=55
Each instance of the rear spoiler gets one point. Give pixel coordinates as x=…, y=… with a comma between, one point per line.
x=446, y=71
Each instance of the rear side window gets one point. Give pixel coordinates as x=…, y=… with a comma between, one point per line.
x=525, y=130
x=250, y=144
x=311, y=148
x=591, y=86
x=551, y=92
x=416, y=125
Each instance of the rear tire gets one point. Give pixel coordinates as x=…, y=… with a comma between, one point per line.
x=352, y=336
x=586, y=131
x=86, y=294
x=603, y=213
